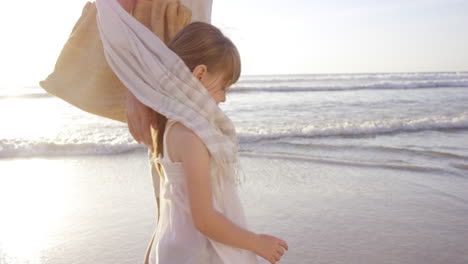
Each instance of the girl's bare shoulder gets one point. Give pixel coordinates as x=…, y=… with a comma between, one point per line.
x=180, y=131
x=183, y=137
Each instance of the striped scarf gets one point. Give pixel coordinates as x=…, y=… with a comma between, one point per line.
x=162, y=81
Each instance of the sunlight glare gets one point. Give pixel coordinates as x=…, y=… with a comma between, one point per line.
x=33, y=206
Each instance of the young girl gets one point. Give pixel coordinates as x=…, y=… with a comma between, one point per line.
x=187, y=217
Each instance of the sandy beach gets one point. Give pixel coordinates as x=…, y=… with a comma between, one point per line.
x=100, y=209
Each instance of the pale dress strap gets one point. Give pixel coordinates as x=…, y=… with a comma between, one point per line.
x=169, y=124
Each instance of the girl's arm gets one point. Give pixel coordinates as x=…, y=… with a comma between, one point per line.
x=196, y=163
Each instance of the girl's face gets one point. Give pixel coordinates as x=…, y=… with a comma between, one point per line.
x=215, y=83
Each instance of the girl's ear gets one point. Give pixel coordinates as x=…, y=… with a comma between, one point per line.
x=200, y=71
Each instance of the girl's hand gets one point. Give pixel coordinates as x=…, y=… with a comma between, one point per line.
x=270, y=247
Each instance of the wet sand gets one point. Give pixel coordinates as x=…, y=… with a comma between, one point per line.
x=100, y=209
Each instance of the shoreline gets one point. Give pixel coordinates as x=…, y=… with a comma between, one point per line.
x=99, y=208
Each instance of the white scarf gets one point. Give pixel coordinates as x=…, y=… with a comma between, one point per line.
x=162, y=81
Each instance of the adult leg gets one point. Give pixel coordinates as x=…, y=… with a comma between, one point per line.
x=156, y=188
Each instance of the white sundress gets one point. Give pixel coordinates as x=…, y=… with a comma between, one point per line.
x=177, y=241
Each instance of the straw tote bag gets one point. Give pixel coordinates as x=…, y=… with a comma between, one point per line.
x=82, y=76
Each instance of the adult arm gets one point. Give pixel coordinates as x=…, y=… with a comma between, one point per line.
x=139, y=117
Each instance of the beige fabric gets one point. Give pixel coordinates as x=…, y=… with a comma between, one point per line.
x=82, y=76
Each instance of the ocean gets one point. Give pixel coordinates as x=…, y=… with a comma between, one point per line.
x=375, y=165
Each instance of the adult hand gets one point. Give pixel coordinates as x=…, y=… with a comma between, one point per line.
x=128, y=5
x=140, y=118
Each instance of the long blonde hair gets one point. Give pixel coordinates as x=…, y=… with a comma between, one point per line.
x=201, y=43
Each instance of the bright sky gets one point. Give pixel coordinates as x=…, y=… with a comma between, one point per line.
x=273, y=36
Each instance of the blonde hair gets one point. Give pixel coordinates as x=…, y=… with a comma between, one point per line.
x=201, y=43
